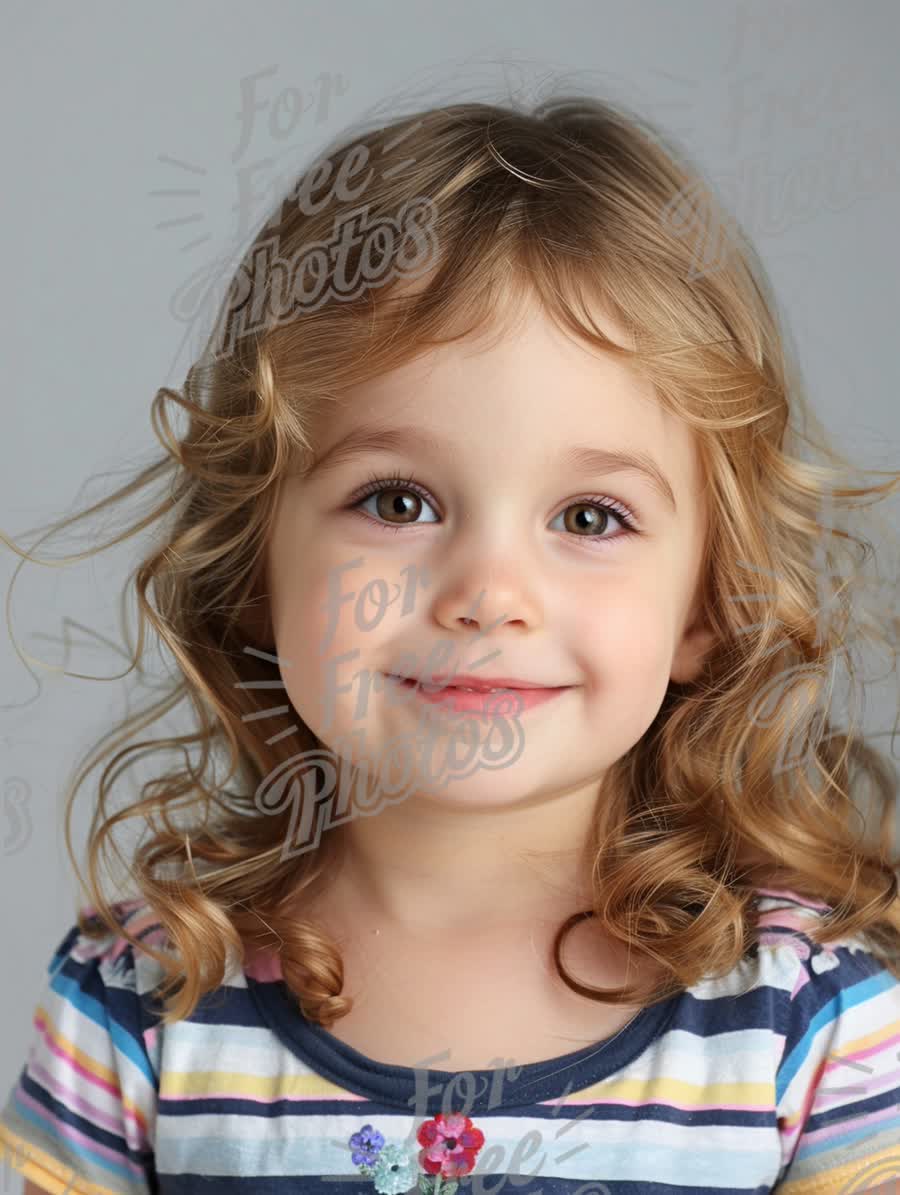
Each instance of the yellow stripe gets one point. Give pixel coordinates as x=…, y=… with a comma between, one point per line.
x=42, y=1168
x=680, y=1093
x=235, y=1084
x=852, y=1179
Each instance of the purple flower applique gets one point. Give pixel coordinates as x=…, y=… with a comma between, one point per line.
x=392, y=1169
x=365, y=1146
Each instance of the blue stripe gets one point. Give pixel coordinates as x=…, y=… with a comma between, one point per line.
x=846, y=998
x=70, y=990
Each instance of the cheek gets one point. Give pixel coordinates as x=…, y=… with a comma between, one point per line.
x=626, y=651
x=328, y=605
x=626, y=657
x=627, y=622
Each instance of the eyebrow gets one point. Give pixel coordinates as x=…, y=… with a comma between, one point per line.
x=583, y=460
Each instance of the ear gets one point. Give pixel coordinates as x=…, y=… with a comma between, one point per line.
x=696, y=643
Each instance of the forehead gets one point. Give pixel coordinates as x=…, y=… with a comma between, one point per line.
x=527, y=392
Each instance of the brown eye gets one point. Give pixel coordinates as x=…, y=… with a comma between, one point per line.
x=589, y=519
x=401, y=501
x=398, y=501
x=398, y=505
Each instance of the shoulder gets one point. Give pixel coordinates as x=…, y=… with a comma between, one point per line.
x=90, y=970
x=86, y=1098
x=112, y=954
x=785, y=923
x=786, y=979
x=102, y=983
x=838, y=1083
x=822, y=979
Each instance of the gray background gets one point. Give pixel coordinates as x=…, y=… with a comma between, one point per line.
x=104, y=105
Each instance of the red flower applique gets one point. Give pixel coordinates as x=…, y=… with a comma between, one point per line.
x=451, y=1144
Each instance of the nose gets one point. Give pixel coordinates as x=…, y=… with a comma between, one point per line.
x=491, y=607
x=489, y=578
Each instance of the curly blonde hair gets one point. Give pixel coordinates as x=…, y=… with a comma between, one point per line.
x=742, y=778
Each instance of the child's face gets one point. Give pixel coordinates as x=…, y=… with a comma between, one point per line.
x=567, y=597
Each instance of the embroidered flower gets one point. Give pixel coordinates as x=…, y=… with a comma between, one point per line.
x=451, y=1145
x=395, y=1171
x=365, y=1146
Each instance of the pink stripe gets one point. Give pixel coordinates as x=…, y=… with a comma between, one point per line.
x=793, y=921
x=135, y=1119
x=67, y=1095
x=799, y=947
x=887, y=1039
x=840, y=1128
x=814, y=1094
x=59, y=1128
x=70, y=1061
x=890, y=1076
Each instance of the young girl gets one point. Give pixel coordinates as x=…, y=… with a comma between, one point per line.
x=496, y=401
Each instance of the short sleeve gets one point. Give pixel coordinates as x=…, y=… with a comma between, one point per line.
x=838, y=1085
x=82, y=1115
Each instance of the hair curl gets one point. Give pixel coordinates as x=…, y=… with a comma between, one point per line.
x=742, y=778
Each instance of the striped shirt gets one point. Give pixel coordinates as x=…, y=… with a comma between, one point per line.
x=786, y=1070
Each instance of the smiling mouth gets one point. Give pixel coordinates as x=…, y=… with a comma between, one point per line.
x=501, y=687
x=426, y=688
x=477, y=702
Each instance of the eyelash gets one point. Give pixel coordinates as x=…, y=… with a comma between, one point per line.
x=622, y=513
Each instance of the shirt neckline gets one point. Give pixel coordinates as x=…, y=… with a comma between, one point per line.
x=425, y=1089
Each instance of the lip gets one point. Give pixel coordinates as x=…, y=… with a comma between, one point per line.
x=482, y=702
x=456, y=680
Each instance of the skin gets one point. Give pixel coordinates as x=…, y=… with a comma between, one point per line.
x=612, y=616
